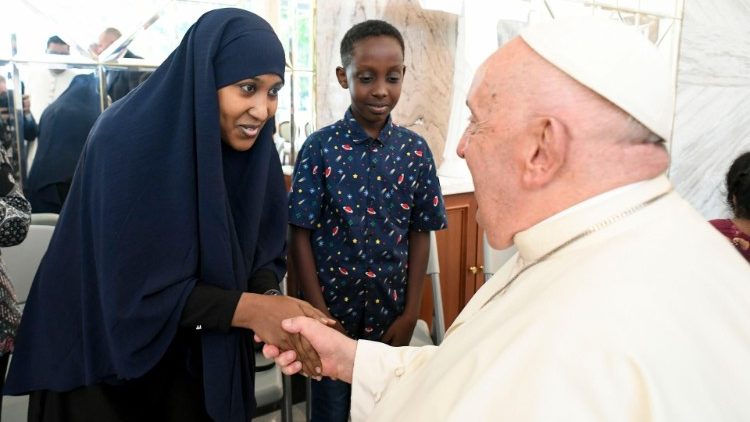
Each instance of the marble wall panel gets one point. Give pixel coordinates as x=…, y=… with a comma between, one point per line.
x=430, y=39
x=712, y=120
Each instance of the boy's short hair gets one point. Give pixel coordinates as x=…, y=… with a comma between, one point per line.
x=362, y=30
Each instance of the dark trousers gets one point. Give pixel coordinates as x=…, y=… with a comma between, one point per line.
x=331, y=400
x=165, y=394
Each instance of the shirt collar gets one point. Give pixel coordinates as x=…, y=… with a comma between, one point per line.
x=359, y=135
x=555, y=230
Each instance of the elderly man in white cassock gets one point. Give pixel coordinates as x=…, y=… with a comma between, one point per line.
x=622, y=303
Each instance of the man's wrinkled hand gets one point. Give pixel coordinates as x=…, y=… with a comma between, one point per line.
x=336, y=351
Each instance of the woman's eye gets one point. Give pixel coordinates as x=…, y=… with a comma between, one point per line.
x=274, y=92
x=248, y=88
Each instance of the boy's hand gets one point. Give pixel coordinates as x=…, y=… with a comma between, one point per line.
x=400, y=332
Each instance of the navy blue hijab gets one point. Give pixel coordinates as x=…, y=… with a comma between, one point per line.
x=158, y=203
x=63, y=129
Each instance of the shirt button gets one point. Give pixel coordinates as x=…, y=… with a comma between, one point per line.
x=399, y=371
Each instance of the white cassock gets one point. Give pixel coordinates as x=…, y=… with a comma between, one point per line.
x=646, y=319
x=43, y=86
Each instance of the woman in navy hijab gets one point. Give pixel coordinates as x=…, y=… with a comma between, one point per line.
x=143, y=306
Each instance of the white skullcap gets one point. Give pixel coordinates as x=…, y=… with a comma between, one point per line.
x=615, y=61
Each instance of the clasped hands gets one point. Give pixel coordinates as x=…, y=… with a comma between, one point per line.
x=278, y=322
x=263, y=314
x=335, y=350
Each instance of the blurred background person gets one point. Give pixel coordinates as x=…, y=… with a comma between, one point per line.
x=7, y=125
x=63, y=129
x=46, y=83
x=119, y=82
x=737, y=228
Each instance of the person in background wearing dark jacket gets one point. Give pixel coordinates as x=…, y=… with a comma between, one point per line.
x=119, y=82
x=63, y=129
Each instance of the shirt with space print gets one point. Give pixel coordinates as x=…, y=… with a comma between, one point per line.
x=360, y=197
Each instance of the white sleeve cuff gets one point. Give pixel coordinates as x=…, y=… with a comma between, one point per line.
x=376, y=366
x=372, y=364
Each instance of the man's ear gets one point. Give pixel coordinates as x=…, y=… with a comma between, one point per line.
x=341, y=76
x=546, y=151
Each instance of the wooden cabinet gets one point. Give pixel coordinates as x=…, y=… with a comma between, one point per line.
x=460, y=255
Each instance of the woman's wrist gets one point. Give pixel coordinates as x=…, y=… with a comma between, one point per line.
x=248, y=307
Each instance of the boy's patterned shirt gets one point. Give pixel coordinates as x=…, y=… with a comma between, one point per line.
x=361, y=197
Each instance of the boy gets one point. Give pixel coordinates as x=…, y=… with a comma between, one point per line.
x=364, y=198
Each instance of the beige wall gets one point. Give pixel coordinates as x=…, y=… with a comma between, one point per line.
x=430, y=39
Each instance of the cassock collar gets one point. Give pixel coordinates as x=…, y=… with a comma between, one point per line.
x=546, y=235
x=359, y=135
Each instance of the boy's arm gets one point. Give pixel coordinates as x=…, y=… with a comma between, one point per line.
x=400, y=332
x=301, y=254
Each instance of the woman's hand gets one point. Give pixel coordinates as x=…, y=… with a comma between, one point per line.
x=263, y=314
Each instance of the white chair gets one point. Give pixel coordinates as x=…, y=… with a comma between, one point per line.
x=285, y=130
x=493, y=258
x=422, y=335
x=270, y=386
x=44, y=218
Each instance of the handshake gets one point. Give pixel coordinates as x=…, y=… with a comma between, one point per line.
x=299, y=337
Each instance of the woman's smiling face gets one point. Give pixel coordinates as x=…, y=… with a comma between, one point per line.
x=245, y=106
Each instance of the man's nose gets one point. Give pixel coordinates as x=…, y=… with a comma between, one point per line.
x=463, y=143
